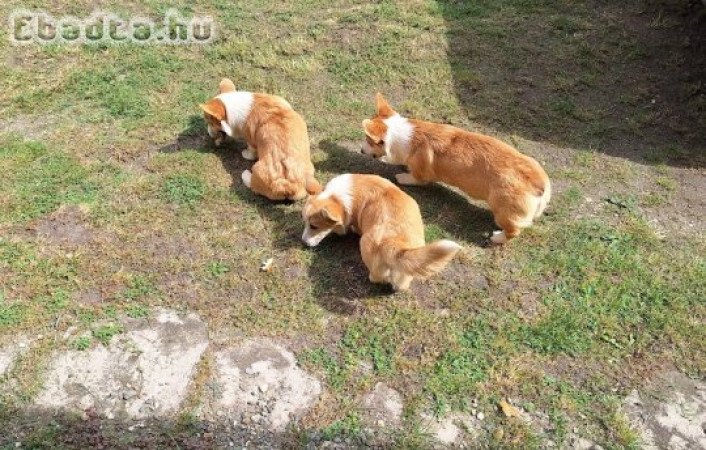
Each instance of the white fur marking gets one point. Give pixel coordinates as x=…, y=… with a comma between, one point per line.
x=249, y=153
x=247, y=177
x=449, y=246
x=498, y=237
x=238, y=106
x=226, y=128
x=313, y=239
x=341, y=187
x=407, y=179
x=399, y=133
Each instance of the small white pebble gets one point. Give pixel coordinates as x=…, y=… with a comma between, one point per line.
x=267, y=265
x=480, y=416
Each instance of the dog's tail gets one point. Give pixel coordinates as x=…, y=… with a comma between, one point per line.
x=226, y=85
x=424, y=261
x=543, y=200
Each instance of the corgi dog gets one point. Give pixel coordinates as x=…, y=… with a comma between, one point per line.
x=389, y=223
x=276, y=137
x=513, y=186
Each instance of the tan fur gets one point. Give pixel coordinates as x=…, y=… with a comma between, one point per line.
x=279, y=136
x=392, y=232
x=515, y=187
x=226, y=85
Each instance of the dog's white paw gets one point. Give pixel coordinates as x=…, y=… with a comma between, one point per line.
x=407, y=179
x=249, y=153
x=498, y=237
x=246, y=176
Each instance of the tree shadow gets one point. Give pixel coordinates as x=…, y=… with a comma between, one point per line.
x=39, y=428
x=624, y=78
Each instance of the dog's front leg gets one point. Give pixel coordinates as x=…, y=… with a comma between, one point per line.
x=408, y=179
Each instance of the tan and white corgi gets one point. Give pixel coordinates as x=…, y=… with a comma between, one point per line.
x=389, y=223
x=276, y=136
x=514, y=186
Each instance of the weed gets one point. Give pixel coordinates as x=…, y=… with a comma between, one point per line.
x=105, y=333
x=82, y=343
x=217, y=269
x=183, y=189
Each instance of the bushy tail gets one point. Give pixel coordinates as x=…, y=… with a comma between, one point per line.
x=424, y=261
x=544, y=200
x=226, y=85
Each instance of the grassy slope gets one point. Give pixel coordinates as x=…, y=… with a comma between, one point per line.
x=565, y=319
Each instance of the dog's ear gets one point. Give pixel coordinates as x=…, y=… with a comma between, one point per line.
x=333, y=215
x=226, y=128
x=226, y=85
x=215, y=108
x=383, y=108
x=375, y=129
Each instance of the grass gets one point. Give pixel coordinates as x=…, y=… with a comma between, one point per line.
x=593, y=288
x=105, y=333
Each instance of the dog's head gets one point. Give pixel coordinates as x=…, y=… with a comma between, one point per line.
x=375, y=129
x=322, y=214
x=214, y=111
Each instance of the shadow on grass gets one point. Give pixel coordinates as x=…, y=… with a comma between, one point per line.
x=623, y=78
x=440, y=206
x=38, y=428
x=338, y=275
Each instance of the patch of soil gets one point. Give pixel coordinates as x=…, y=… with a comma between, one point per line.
x=143, y=373
x=180, y=286
x=382, y=407
x=162, y=247
x=89, y=297
x=65, y=226
x=670, y=413
x=454, y=430
x=259, y=384
x=10, y=352
x=29, y=127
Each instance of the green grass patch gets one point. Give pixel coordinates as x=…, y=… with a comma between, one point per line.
x=82, y=343
x=614, y=291
x=457, y=371
x=183, y=189
x=138, y=288
x=10, y=314
x=336, y=375
x=349, y=426
x=105, y=333
x=38, y=180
